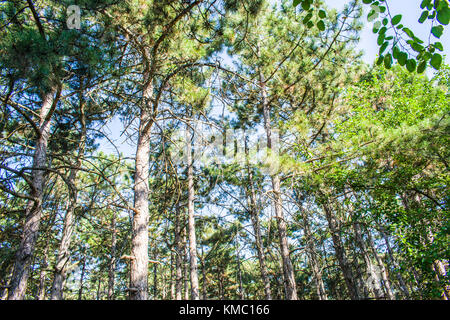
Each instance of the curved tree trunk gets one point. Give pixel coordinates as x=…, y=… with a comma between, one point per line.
x=33, y=210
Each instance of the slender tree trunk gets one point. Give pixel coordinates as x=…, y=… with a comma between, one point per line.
x=99, y=296
x=63, y=258
x=112, y=261
x=383, y=271
x=239, y=271
x=33, y=212
x=139, y=247
x=191, y=220
x=83, y=272
x=43, y=272
x=42, y=275
x=204, y=284
x=178, y=257
x=374, y=279
x=340, y=254
x=251, y=196
x=288, y=269
x=155, y=280
x=400, y=279
x=440, y=272
x=171, y=280
x=314, y=264
x=185, y=265
x=441, y=275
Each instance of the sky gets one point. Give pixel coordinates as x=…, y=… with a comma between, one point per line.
x=410, y=10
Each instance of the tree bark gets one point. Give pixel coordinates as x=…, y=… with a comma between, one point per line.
x=33, y=212
x=311, y=252
x=139, y=248
x=178, y=257
x=63, y=257
x=288, y=270
x=400, y=279
x=251, y=196
x=112, y=260
x=83, y=272
x=191, y=220
x=42, y=276
x=374, y=279
x=383, y=271
x=185, y=265
x=340, y=254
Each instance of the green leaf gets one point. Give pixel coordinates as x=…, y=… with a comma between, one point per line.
x=402, y=58
x=376, y=26
x=321, y=25
x=396, y=53
x=380, y=60
x=437, y=31
x=296, y=3
x=307, y=18
x=439, y=46
x=372, y=15
x=306, y=5
x=396, y=19
x=380, y=39
x=388, y=61
x=422, y=66
x=436, y=61
x=423, y=17
x=411, y=65
x=383, y=47
x=408, y=32
x=322, y=14
x=417, y=47
x=443, y=15
x=425, y=3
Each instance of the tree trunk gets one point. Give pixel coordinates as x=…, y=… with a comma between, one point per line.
x=383, y=271
x=139, y=248
x=288, y=270
x=191, y=219
x=374, y=282
x=340, y=254
x=63, y=258
x=239, y=271
x=204, y=282
x=185, y=265
x=400, y=279
x=178, y=257
x=112, y=261
x=33, y=212
x=83, y=272
x=441, y=275
x=251, y=196
x=311, y=252
x=42, y=275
